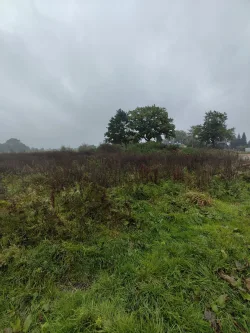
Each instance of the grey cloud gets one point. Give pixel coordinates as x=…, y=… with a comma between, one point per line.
x=67, y=66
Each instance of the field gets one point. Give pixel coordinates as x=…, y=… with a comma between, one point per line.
x=124, y=242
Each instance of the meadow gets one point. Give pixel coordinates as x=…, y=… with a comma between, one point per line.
x=139, y=241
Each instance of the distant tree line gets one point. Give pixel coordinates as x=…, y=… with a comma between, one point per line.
x=153, y=123
x=240, y=142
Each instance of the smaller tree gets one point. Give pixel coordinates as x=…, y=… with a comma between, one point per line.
x=86, y=148
x=235, y=142
x=244, y=139
x=118, y=131
x=195, y=131
x=214, y=129
x=239, y=142
x=181, y=137
x=150, y=122
x=193, y=135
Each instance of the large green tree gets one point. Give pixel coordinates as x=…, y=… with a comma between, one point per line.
x=214, y=129
x=118, y=129
x=150, y=122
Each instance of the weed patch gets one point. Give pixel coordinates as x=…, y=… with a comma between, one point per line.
x=102, y=242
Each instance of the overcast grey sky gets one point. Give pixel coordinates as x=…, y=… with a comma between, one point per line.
x=68, y=65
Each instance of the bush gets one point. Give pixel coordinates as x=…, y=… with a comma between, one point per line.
x=109, y=148
x=147, y=147
x=87, y=148
x=67, y=213
x=173, y=148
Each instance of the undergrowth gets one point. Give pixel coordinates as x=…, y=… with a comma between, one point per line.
x=147, y=255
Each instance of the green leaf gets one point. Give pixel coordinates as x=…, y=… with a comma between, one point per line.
x=27, y=323
x=214, y=307
x=245, y=296
x=45, y=327
x=17, y=326
x=45, y=307
x=221, y=301
x=238, y=283
x=224, y=254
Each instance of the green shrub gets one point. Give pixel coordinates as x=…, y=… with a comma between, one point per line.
x=109, y=148
x=173, y=148
x=87, y=148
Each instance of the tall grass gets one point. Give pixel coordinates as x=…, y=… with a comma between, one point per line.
x=115, y=168
x=124, y=242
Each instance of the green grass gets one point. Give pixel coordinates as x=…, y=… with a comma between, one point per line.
x=151, y=266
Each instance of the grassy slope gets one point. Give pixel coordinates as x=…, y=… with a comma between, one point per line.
x=157, y=275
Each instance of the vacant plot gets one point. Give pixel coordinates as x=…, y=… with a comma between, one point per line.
x=125, y=243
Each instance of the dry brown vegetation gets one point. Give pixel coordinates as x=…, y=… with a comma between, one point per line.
x=114, y=168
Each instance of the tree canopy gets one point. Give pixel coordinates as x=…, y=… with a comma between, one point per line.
x=181, y=137
x=239, y=142
x=214, y=129
x=143, y=123
x=150, y=122
x=117, y=130
x=244, y=139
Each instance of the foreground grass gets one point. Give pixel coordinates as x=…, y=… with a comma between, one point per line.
x=165, y=266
